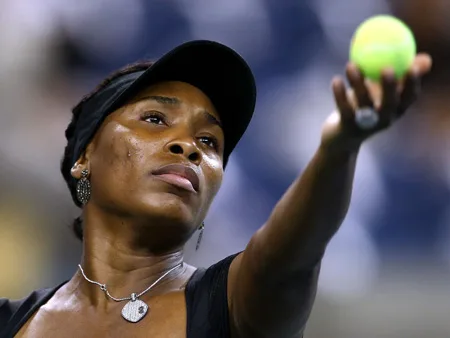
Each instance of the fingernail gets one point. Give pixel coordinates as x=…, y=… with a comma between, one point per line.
x=335, y=81
x=389, y=72
x=355, y=72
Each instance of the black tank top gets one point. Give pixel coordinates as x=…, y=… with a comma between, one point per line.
x=206, y=304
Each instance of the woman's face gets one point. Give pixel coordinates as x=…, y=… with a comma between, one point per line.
x=158, y=159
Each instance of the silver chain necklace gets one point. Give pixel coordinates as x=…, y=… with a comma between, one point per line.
x=135, y=309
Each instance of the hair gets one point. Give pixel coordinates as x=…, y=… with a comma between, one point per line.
x=66, y=162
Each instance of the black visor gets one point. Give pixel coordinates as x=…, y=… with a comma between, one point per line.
x=215, y=69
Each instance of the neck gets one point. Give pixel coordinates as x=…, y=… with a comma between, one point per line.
x=116, y=259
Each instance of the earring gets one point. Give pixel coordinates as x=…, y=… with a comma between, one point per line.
x=199, y=240
x=84, y=188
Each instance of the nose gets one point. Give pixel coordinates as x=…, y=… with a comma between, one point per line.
x=186, y=148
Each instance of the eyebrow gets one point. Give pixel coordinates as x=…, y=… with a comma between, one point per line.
x=173, y=101
x=211, y=119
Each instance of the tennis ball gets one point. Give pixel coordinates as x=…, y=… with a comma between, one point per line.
x=380, y=42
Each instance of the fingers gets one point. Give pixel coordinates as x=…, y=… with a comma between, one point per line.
x=410, y=91
x=390, y=97
x=413, y=81
x=390, y=100
x=357, y=82
x=341, y=99
x=422, y=63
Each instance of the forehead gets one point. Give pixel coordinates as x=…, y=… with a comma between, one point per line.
x=178, y=93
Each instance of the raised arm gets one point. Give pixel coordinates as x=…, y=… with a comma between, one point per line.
x=272, y=284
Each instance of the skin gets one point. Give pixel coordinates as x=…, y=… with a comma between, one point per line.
x=136, y=225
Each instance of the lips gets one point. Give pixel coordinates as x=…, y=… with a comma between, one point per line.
x=179, y=175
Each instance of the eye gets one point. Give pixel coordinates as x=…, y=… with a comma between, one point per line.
x=209, y=141
x=154, y=118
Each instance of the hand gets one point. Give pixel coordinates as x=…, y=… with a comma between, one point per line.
x=390, y=99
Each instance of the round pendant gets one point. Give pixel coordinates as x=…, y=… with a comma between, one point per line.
x=134, y=310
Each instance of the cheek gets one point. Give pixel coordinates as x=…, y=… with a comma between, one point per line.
x=120, y=157
x=115, y=149
x=214, y=174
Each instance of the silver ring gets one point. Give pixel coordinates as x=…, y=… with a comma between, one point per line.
x=366, y=118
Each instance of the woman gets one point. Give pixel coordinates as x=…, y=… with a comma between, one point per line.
x=144, y=160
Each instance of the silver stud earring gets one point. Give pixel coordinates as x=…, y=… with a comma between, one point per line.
x=84, y=188
x=200, y=235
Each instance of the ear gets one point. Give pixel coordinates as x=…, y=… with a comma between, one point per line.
x=81, y=164
x=78, y=167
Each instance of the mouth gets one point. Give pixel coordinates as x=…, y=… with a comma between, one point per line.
x=181, y=176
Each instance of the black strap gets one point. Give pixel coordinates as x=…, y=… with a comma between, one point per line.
x=207, y=302
x=14, y=314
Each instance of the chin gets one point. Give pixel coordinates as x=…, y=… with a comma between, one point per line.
x=168, y=207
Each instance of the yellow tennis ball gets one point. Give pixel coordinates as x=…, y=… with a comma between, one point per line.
x=381, y=42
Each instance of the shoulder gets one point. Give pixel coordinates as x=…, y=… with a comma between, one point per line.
x=13, y=312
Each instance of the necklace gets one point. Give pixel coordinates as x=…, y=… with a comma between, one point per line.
x=135, y=309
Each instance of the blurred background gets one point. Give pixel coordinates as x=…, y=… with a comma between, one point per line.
x=385, y=274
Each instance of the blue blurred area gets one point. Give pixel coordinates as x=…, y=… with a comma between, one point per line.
x=55, y=51
x=288, y=46
x=415, y=205
x=289, y=39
